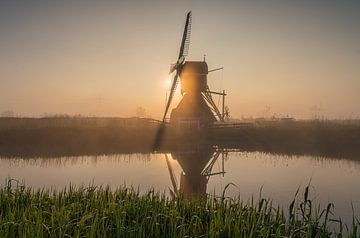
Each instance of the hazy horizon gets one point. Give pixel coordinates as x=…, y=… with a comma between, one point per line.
x=281, y=58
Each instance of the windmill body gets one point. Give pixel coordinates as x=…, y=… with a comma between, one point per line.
x=193, y=110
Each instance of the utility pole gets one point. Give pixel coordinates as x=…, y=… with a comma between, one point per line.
x=223, y=105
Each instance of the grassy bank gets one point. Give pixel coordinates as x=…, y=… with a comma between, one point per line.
x=338, y=139
x=100, y=212
x=53, y=137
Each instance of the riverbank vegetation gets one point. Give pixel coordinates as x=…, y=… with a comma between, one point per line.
x=324, y=138
x=100, y=212
x=71, y=136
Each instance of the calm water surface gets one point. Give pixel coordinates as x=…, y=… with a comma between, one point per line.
x=332, y=180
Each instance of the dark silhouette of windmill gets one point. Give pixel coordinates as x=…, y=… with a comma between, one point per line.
x=197, y=106
x=197, y=109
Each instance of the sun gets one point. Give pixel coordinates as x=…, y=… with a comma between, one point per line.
x=167, y=82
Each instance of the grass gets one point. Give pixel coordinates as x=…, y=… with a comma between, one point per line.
x=100, y=212
x=54, y=137
x=337, y=139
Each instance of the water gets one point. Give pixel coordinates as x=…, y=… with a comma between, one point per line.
x=331, y=180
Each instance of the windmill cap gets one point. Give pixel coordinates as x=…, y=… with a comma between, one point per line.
x=194, y=67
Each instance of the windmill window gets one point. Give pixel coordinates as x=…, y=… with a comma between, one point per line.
x=189, y=124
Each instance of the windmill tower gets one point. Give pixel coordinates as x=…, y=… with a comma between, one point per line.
x=196, y=108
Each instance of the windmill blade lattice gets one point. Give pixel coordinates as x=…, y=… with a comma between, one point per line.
x=184, y=50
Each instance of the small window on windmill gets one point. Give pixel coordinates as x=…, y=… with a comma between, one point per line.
x=189, y=123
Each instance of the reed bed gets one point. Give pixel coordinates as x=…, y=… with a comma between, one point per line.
x=72, y=136
x=101, y=212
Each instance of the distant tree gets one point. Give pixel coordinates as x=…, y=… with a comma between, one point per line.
x=316, y=111
x=7, y=113
x=140, y=112
x=267, y=111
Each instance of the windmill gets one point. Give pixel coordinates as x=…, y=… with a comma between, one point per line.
x=197, y=107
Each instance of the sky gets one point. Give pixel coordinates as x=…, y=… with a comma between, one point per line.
x=107, y=58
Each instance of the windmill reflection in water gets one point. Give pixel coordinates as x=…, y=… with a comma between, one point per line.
x=196, y=161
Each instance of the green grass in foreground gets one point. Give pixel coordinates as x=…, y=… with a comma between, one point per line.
x=100, y=212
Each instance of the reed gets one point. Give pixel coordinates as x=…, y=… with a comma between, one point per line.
x=101, y=212
x=71, y=136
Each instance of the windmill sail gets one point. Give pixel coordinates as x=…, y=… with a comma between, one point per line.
x=184, y=49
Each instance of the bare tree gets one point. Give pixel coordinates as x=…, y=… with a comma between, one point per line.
x=7, y=113
x=140, y=112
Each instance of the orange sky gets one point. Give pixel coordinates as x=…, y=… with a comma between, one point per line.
x=108, y=59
